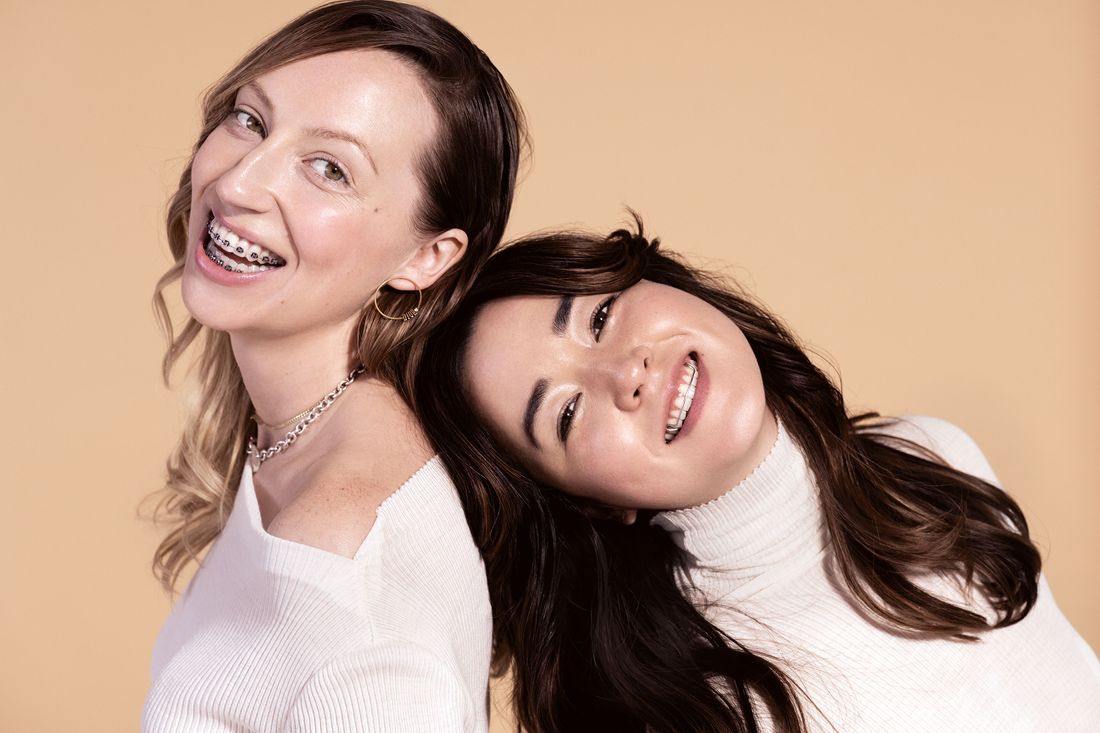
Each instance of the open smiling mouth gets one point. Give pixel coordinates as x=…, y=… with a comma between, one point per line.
x=236, y=254
x=685, y=395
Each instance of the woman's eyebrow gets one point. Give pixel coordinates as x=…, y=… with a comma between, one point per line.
x=259, y=92
x=538, y=394
x=559, y=326
x=562, y=315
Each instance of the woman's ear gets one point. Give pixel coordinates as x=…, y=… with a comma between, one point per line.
x=430, y=260
x=595, y=510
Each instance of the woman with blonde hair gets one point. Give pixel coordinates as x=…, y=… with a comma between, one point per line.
x=353, y=173
x=686, y=530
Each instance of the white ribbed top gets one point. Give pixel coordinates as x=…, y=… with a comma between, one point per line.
x=274, y=635
x=761, y=556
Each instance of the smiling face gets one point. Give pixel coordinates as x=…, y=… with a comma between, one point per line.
x=647, y=399
x=304, y=198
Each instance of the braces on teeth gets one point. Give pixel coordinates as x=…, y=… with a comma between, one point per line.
x=213, y=253
x=686, y=395
x=221, y=241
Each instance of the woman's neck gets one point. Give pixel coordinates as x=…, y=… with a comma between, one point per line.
x=287, y=375
x=366, y=441
x=767, y=525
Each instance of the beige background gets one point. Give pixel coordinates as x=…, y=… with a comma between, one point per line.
x=912, y=185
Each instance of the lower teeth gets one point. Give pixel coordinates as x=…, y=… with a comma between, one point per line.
x=225, y=263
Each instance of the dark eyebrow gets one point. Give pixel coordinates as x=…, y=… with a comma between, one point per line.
x=318, y=131
x=538, y=394
x=563, y=314
x=534, y=402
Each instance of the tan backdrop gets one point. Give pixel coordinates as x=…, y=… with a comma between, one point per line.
x=912, y=185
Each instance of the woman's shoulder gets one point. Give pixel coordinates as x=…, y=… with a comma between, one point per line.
x=430, y=576
x=370, y=457
x=339, y=506
x=411, y=495
x=376, y=466
x=946, y=439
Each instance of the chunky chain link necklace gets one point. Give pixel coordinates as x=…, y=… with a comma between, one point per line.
x=257, y=457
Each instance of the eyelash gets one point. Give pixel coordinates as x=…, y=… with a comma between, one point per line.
x=237, y=111
x=601, y=314
x=565, y=422
x=343, y=180
x=343, y=175
x=596, y=324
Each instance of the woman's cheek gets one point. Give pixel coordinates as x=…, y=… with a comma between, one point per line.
x=617, y=467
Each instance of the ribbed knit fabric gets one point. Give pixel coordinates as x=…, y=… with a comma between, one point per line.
x=761, y=555
x=273, y=635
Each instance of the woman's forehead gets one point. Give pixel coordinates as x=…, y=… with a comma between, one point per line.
x=511, y=347
x=516, y=307
x=510, y=326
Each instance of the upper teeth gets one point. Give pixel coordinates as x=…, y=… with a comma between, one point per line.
x=685, y=394
x=230, y=242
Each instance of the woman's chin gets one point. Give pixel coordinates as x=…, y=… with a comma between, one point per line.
x=208, y=309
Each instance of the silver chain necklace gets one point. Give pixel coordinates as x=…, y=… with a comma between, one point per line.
x=256, y=457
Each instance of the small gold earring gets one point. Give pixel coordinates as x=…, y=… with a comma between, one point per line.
x=408, y=315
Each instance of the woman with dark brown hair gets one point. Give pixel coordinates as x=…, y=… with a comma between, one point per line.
x=352, y=174
x=684, y=528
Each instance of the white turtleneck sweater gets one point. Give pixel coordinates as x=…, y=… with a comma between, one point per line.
x=760, y=553
x=273, y=635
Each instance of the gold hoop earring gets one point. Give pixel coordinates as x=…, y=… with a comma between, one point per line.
x=408, y=315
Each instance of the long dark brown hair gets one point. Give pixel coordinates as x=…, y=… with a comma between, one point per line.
x=467, y=180
x=591, y=614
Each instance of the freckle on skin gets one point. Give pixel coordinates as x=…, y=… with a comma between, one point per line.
x=377, y=209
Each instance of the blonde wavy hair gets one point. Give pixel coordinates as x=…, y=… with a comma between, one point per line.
x=467, y=180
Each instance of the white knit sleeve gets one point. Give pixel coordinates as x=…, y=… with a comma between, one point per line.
x=393, y=687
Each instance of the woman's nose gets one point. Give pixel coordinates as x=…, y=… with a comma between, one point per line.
x=626, y=374
x=248, y=183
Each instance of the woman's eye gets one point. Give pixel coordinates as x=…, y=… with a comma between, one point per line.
x=329, y=170
x=248, y=121
x=600, y=315
x=565, y=422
